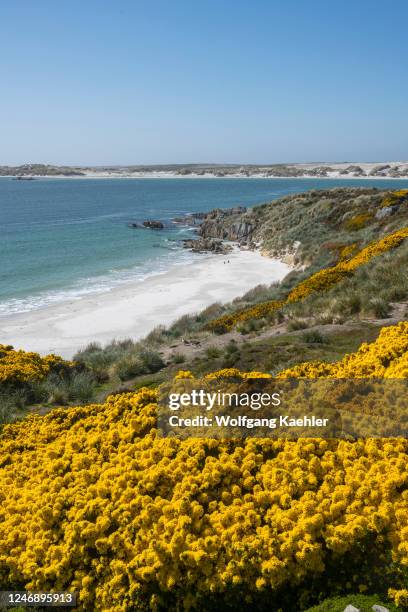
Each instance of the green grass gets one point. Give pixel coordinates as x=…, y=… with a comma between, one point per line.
x=313, y=336
x=270, y=354
x=361, y=602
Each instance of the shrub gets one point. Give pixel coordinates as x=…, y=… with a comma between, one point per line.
x=212, y=311
x=151, y=360
x=230, y=359
x=98, y=361
x=157, y=336
x=395, y=198
x=22, y=367
x=394, y=294
x=295, y=324
x=351, y=303
x=313, y=336
x=130, y=366
x=257, y=294
x=182, y=325
x=357, y=222
x=249, y=326
x=232, y=347
x=212, y=352
x=178, y=358
x=326, y=319
x=8, y=409
x=77, y=387
x=82, y=387
x=132, y=519
x=378, y=307
x=219, y=328
x=92, y=347
x=387, y=357
x=348, y=251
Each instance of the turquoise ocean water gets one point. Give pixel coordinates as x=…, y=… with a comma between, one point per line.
x=61, y=239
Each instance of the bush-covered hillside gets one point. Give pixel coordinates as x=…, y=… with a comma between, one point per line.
x=350, y=253
x=94, y=501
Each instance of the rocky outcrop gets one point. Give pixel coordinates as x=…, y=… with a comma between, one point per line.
x=215, y=228
x=190, y=219
x=231, y=224
x=153, y=224
x=207, y=245
x=149, y=224
x=386, y=211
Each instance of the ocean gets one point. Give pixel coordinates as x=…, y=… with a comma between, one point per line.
x=65, y=238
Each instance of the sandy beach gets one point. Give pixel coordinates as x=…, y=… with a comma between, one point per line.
x=134, y=309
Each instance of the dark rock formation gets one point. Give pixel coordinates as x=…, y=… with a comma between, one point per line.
x=153, y=224
x=230, y=224
x=156, y=225
x=207, y=245
x=190, y=219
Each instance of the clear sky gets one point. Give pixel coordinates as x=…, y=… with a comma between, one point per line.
x=120, y=82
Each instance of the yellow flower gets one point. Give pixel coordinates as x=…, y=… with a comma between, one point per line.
x=320, y=281
x=93, y=500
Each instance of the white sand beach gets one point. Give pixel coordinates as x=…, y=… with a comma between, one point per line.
x=134, y=309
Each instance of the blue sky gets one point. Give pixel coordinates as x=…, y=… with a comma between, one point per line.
x=98, y=82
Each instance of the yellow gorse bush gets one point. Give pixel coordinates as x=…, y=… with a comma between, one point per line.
x=25, y=367
x=320, y=281
x=395, y=198
x=357, y=222
x=348, y=251
x=255, y=312
x=93, y=500
x=387, y=357
x=235, y=373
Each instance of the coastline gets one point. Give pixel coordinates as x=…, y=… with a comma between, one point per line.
x=135, y=308
x=164, y=175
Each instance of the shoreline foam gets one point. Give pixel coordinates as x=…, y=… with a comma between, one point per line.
x=135, y=308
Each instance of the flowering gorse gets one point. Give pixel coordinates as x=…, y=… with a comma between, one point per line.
x=387, y=357
x=318, y=282
x=395, y=198
x=25, y=367
x=93, y=500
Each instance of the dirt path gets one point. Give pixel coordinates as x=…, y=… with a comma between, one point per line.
x=193, y=347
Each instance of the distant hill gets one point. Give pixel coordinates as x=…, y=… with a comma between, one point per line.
x=398, y=169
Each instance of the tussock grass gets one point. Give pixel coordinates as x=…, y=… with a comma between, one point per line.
x=78, y=387
x=123, y=359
